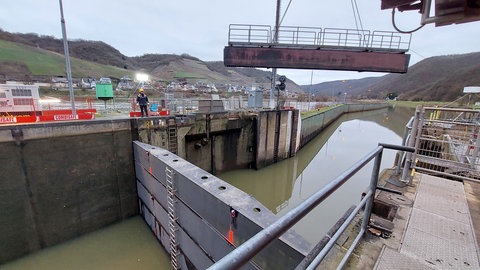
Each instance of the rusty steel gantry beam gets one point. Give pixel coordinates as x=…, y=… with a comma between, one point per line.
x=298, y=58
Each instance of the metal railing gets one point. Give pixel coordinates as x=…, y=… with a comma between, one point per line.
x=250, y=33
x=345, y=38
x=315, y=37
x=295, y=35
x=242, y=254
x=447, y=143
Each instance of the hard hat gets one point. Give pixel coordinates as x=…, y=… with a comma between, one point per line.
x=140, y=90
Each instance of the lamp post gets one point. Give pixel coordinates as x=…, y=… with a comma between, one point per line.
x=141, y=78
x=67, y=59
x=310, y=91
x=274, y=70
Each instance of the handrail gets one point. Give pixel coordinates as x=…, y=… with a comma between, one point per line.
x=445, y=138
x=249, y=33
x=318, y=37
x=299, y=35
x=258, y=242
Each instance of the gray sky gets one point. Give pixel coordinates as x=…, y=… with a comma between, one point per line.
x=200, y=28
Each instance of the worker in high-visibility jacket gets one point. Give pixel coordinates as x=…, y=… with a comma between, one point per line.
x=142, y=100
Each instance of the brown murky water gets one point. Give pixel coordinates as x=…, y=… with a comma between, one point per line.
x=126, y=245
x=284, y=185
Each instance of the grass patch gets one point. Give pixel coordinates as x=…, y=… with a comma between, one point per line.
x=317, y=111
x=187, y=75
x=46, y=63
x=37, y=61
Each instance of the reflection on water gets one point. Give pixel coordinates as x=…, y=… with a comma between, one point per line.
x=284, y=185
x=126, y=245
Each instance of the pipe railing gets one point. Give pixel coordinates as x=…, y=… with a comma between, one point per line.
x=447, y=142
x=246, y=251
x=330, y=38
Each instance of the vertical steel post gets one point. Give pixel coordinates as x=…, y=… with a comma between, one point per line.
x=310, y=90
x=67, y=59
x=421, y=121
x=408, y=127
x=373, y=187
x=274, y=70
x=411, y=143
x=476, y=145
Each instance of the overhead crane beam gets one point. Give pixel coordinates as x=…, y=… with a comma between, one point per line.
x=317, y=48
x=264, y=57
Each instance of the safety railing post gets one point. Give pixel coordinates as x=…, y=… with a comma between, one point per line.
x=418, y=136
x=406, y=133
x=372, y=188
x=411, y=143
x=475, y=150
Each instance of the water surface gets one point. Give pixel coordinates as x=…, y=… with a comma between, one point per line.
x=129, y=244
x=284, y=185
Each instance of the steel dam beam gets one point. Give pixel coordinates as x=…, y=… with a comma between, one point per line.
x=262, y=57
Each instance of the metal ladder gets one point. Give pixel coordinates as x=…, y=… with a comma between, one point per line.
x=172, y=136
x=277, y=136
x=172, y=218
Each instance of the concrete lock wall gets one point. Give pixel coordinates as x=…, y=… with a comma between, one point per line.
x=61, y=180
x=202, y=217
x=313, y=125
x=219, y=142
x=276, y=136
x=215, y=142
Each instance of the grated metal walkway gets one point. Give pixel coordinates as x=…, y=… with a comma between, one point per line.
x=439, y=234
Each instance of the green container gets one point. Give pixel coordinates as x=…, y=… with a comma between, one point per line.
x=104, y=91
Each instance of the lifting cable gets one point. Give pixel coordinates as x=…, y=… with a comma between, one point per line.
x=283, y=16
x=401, y=31
x=356, y=13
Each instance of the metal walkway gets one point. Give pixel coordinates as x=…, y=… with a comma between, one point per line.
x=439, y=233
x=316, y=38
x=316, y=48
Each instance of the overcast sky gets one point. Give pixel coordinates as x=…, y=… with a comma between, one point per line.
x=200, y=28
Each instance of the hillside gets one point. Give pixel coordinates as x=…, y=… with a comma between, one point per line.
x=22, y=62
x=34, y=57
x=20, y=54
x=440, y=78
